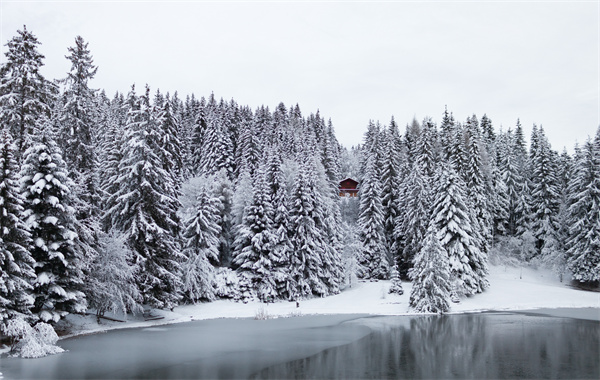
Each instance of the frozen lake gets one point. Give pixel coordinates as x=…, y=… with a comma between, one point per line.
x=488, y=345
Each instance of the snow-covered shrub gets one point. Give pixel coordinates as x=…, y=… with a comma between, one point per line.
x=31, y=342
x=506, y=251
x=552, y=257
x=246, y=290
x=295, y=313
x=513, y=250
x=396, y=282
x=262, y=314
x=226, y=283
x=111, y=284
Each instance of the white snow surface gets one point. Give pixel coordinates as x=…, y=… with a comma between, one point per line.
x=511, y=288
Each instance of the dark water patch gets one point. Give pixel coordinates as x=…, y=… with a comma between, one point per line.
x=490, y=345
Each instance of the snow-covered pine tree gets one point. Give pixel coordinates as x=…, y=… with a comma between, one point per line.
x=327, y=176
x=282, y=244
x=144, y=207
x=478, y=194
x=425, y=148
x=374, y=257
x=25, y=95
x=500, y=203
x=77, y=136
x=553, y=253
x=254, y=254
x=194, y=117
x=544, y=192
x=488, y=135
x=242, y=196
x=217, y=147
x=458, y=154
x=16, y=263
x=371, y=147
x=49, y=215
x=112, y=148
x=411, y=137
x=201, y=236
x=396, y=286
x=431, y=275
x=224, y=192
x=447, y=134
x=468, y=265
x=308, y=240
x=391, y=183
x=415, y=216
x=249, y=147
x=169, y=143
x=583, y=254
x=512, y=178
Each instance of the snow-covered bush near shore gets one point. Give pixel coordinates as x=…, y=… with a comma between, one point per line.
x=262, y=314
x=226, y=283
x=31, y=342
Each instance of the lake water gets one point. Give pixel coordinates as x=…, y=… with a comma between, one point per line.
x=488, y=345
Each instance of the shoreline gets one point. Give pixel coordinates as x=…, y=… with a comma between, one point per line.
x=584, y=312
x=512, y=290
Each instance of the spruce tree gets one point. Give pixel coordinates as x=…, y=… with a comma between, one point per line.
x=16, y=263
x=201, y=236
x=374, y=258
x=254, y=255
x=396, y=287
x=583, y=254
x=224, y=192
x=391, y=187
x=468, y=265
x=478, y=194
x=415, y=216
x=431, y=275
x=170, y=143
x=144, y=207
x=308, y=240
x=544, y=192
x=511, y=176
x=282, y=244
x=447, y=134
x=25, y=95
x=77, y=136
x=217, y=147
x=249, y=148
x=49, y=215
x=76, y=118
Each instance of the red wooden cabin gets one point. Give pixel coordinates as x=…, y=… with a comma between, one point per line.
x=348, y=188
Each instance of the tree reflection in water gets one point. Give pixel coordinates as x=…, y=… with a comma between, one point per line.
x=491, y=345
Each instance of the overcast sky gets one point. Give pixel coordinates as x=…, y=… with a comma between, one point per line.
x=354, y=61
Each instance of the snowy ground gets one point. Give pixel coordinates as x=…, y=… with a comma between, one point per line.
x=510, y=289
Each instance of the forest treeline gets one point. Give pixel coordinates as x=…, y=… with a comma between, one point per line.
x=149, y=200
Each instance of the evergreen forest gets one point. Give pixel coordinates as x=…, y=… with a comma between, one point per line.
x=152, y=200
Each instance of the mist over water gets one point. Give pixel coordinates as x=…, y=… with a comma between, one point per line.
x=489, y=345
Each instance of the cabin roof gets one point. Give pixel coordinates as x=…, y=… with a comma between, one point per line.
x=349, y=180
x=348, y=184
